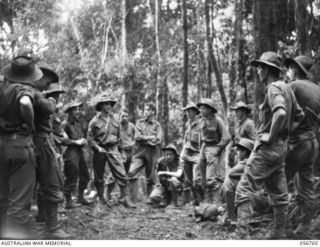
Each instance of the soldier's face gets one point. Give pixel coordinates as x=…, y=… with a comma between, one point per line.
x=75, y=112
x=124, y=117
x=205, y=110
x=147, y=112
x=191, y=114
x=44, y=82
x=263, y=71
x=241, y=153
x=170, y=155
x=291, y=73
x=239, y=114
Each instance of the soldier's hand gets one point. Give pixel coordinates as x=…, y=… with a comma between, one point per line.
x=265, y=137
x=83, y=142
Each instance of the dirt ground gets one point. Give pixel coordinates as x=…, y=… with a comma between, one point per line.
x=99, y=222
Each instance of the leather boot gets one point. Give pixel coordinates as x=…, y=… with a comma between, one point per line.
x=41, y=214
x=133, y=190
x=100, y=192
x=198, y=195
x=244, y=212
x=53, y=231
x=81, y=199
x=110, y=189
x=69, y=202
x=303, y=230
x=186, y=196
x=231, y=208
x=278, y=230
x=124, y=198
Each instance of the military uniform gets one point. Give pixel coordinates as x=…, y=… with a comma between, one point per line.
x=17, y=160
x=214, y=138
x=126, y=145
x=147, y=152
x=303, y=145
x=190, y=158
x=75, y=166
x=104, y=133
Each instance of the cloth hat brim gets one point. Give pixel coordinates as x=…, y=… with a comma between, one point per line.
x=55, y=91
x=256, y=63
x=16, y=78
x=191, y=107
x=50, y=73
x=242, y=146
x=289, y=61
x=214, y=109
x=113, y=102
x=73, y=106
x=172, y=149
x=247, y=109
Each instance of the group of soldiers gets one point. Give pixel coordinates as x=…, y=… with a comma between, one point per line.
x=282, y=148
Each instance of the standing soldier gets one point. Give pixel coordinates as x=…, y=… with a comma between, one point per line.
x=103, y=137
x=265, y=165
x=148, y=138
x=127, y=132
x=303, y=145
x=214, y=137
x=190, y=155
x=17, y=161
x=75, y=166
x=50, y=192
x=245, y=126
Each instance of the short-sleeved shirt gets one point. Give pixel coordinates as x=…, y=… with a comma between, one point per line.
x=308, y=95
x=11, y=120
x=279, y=96
x=245, y=129
x=103, y=131
x=191, y=136
x=74, y=130
x=144, y=127
x=213, y=131
x=43, y=108
x=127, y=133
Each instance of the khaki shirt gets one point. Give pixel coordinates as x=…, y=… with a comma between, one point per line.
x=245, y=129
x=279, y=95
x=103, y=131
x=127, y=133
x=146, y=128
x=192, y=136
x=213, y=132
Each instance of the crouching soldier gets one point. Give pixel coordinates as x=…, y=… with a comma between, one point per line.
x=214, y=138
x=244, y=148
x=75, y=166
x=170, y=175
x=190, y=156
x=103, y=137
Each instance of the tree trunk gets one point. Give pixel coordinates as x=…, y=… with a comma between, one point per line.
x=208, y=92
x=265, y=39
x=124, y=52
x=185, y=57
x=199, y=55
x=165, y=112
x=302, y=27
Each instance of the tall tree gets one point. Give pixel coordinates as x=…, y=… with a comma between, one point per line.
x=265, y=39
x=185, y=54
x=302, y=21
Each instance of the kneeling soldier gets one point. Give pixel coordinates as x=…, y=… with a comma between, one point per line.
x=170, y=177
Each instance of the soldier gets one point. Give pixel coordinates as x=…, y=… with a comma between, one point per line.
x=127, y=132
x=244, y=147
x=148, y=137
x=266, y=162
x=103, y=137
x=170, y=175
x=245, y=126
x=214, y=137
x=190, y=155
x=17, y=160
x=303, y=145
x=75, y=166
